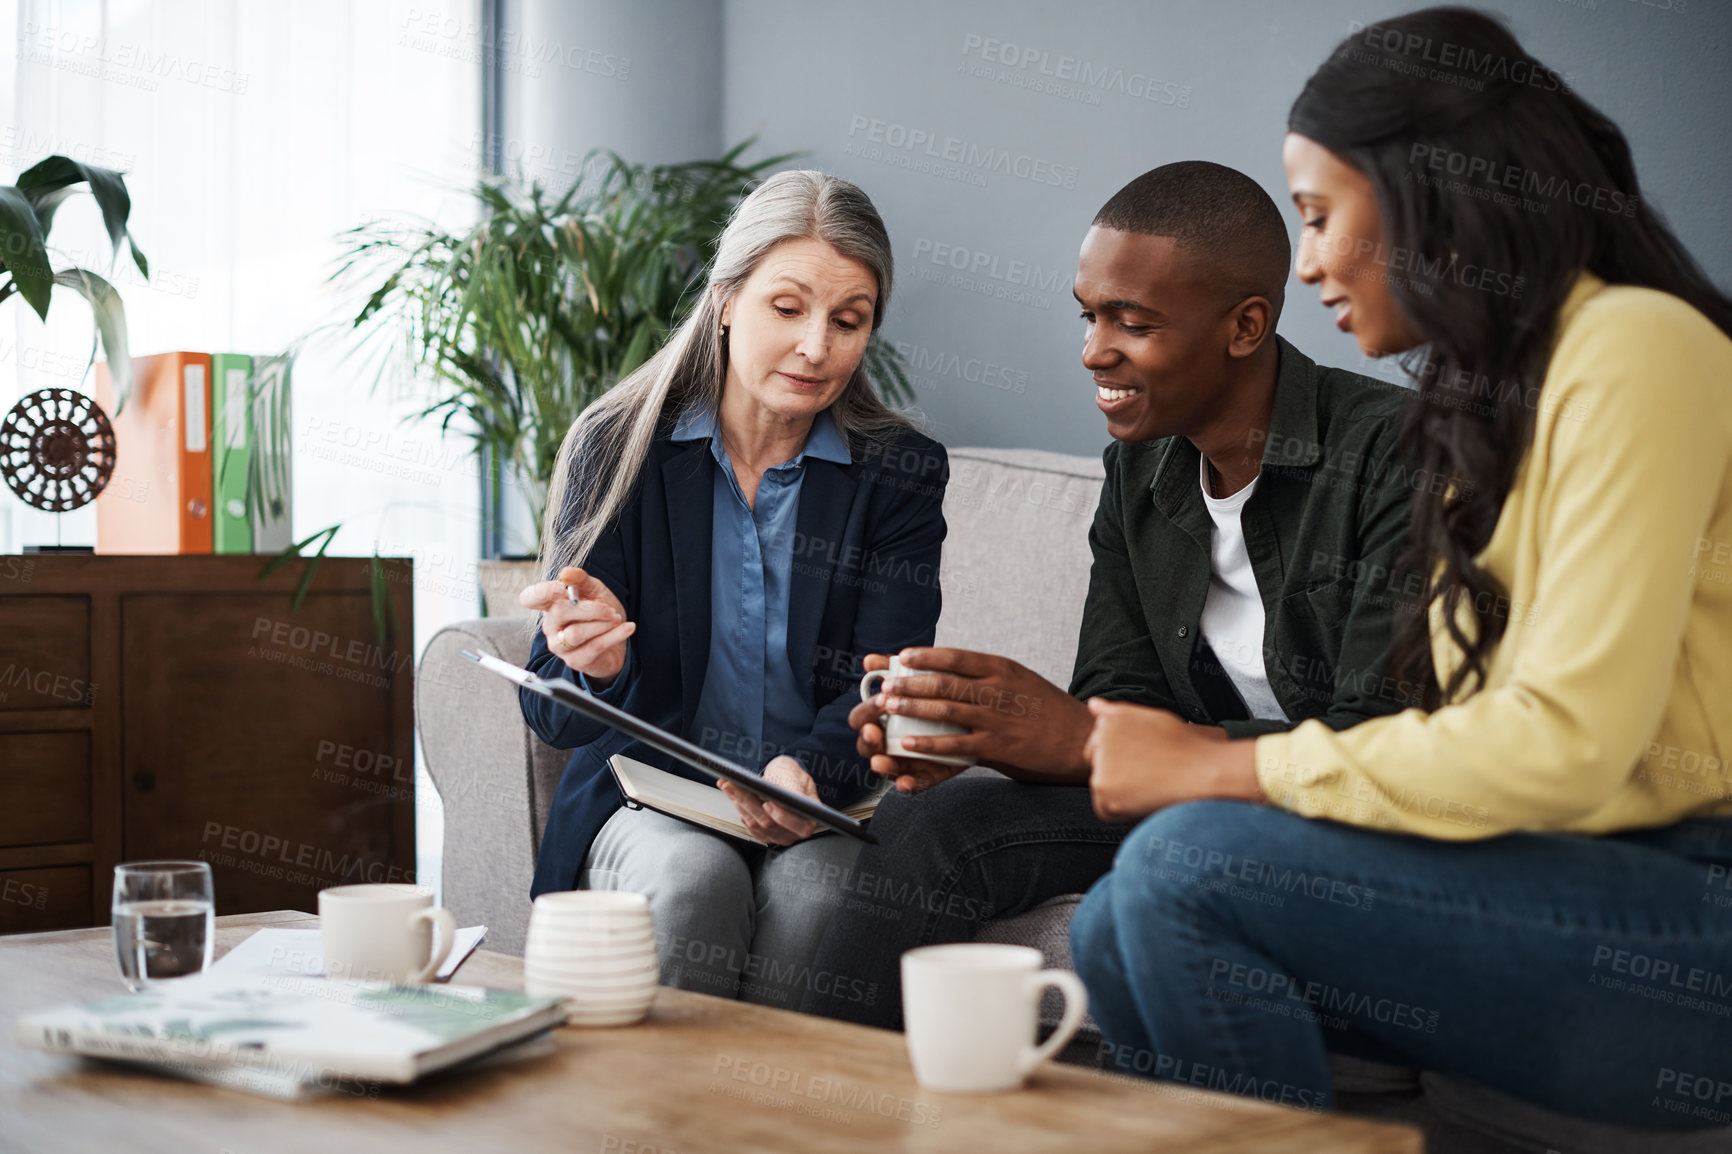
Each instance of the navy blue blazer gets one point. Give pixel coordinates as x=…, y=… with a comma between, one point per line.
x=864, y=580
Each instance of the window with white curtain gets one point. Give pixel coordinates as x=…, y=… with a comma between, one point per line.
x=252, y=133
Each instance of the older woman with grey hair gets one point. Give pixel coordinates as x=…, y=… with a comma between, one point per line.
x=742, y=520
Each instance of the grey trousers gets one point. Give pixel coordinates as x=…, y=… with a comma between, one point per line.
x=732, y=918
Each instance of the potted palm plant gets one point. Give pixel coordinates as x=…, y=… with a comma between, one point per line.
x=546, y=301
x=27, y=214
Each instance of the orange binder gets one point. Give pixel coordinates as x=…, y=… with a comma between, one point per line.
x=159, y=500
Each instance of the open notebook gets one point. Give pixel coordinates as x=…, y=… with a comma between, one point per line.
x=646, y=787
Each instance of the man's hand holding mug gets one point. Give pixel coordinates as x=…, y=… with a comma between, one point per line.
x=950, y=708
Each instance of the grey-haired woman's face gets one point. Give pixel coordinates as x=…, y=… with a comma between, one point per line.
x=798, y=327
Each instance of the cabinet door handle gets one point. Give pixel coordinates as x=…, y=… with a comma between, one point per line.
x=144, y=780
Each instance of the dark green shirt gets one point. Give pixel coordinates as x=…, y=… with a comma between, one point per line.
x=1324, y=530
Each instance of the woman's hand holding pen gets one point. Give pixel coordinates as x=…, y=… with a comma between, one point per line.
x=583, y=621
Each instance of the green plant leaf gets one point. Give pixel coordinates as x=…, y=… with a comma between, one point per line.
x=46, y=204
x=22, y=250
x=110, y=316
x=47, y=183
x=384, y=608
x=889, y=372
x=306, y=581
x=296, y=550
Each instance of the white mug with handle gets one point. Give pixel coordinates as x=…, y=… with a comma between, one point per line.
x=970, y=1012
x=383, y=933
x=896, y=726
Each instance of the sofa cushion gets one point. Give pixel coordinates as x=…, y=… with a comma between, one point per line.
x=1016, y=558
x=1046, y=927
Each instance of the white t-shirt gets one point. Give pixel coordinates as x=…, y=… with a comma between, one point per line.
x=1233, y=611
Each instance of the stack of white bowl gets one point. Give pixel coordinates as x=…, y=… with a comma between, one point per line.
x=597, y=950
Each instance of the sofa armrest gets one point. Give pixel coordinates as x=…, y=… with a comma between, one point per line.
x=495, y=777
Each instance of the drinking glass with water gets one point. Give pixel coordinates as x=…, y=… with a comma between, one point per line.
x=164, y=920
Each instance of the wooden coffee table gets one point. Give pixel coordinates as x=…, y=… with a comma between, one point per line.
x=702, y=1074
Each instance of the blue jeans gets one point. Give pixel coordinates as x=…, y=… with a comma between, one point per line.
x=1233, y=944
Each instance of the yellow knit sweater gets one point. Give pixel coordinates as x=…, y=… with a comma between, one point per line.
x=1608, y=702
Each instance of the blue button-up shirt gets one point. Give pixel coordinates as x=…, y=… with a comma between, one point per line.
x=753, y=707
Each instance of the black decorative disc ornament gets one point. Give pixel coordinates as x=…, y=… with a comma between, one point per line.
x=56, y=450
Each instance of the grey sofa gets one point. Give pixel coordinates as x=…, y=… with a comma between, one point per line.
x=1018, y=521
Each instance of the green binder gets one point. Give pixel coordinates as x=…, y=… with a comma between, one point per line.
x=231, y=448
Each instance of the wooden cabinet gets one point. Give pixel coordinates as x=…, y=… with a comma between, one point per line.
x=174, y=707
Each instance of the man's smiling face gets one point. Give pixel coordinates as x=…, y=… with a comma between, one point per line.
x=1157, y=333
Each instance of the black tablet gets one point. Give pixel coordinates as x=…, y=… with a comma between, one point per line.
x=696, y=756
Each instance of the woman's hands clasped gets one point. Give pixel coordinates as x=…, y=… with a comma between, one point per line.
x=588, y=634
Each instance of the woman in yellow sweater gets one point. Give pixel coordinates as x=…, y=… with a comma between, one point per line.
x=1528, y=881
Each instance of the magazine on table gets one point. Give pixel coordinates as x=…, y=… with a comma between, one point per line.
x=262, y=1033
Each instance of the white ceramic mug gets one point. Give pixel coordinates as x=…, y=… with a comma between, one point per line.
x=383, y=933
x=596, y=949
x=896, y=726
x=970, y=1012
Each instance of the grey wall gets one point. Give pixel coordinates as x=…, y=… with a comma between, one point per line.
x=641, y=77
x=807, y=75
x=996, y=343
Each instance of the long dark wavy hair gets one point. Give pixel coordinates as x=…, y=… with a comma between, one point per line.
x=1501, y=184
